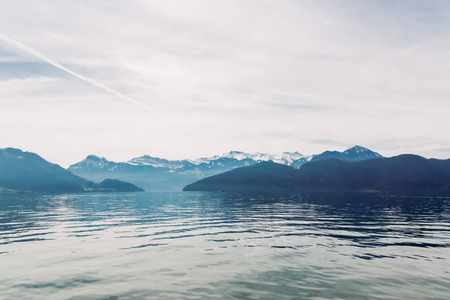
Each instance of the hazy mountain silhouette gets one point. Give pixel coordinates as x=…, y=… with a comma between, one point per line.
x=26, y=171
x=404, y=174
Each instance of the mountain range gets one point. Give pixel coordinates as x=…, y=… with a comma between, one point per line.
x=26, y=171
x=159, y=174
x=356, y=169
x=403, y=174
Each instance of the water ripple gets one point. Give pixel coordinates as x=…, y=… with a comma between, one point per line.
x=219, y=245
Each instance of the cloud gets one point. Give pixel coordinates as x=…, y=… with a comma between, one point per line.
x=95, y=83
x=15, y=87
x=230, y=75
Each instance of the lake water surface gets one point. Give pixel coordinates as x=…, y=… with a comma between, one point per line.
x=224, y=246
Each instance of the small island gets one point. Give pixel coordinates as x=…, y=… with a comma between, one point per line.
x=115, y=185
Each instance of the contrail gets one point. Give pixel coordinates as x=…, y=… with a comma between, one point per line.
x=41, y=56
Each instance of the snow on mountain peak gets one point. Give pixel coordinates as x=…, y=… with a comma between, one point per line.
x=147, y=160
x=92, y=161
x=357, y=148
x=236, y=155
x=361, y=151
x=291, y=156
x=94, y=157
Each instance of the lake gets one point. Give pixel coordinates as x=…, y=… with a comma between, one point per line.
x=198, y=245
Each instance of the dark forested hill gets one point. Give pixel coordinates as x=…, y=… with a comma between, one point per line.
x=405, y=174
x=26, y=171
x=265, y=176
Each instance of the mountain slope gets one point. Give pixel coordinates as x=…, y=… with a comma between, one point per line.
x=29, y=172
x=265, y=176
x=355, y=153
x=404, y=174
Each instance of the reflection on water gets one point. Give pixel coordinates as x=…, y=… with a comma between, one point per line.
x=220, y=245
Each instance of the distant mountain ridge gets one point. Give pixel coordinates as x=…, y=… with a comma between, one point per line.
x=27, y=171
x=356, y=153
x=403, y=174
x=155, y=173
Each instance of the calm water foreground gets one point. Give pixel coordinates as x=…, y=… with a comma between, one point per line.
x=224, y=246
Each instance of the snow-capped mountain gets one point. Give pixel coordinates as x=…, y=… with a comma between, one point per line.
x=157, y=162
x=355, y=153
x=97, y=163
x=289, y=157
x=284, y=158
x=154, y=173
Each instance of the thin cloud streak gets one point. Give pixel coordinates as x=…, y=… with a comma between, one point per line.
x=41, y=56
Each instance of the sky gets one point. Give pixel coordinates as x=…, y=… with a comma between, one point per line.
x=188, y=79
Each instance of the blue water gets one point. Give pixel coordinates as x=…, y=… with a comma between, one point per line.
x=224, y=246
